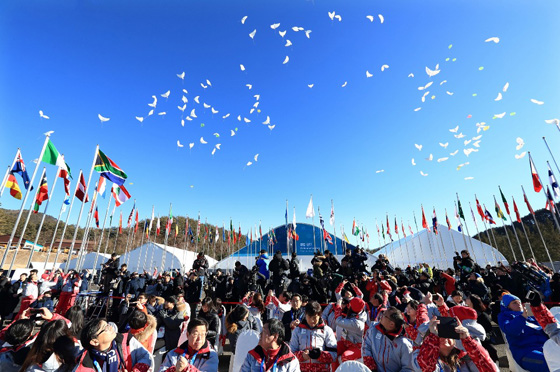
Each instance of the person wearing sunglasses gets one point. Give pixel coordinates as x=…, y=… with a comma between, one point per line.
x=106, y=350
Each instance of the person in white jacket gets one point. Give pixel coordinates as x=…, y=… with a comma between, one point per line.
x=313, y=342
x=272, y=353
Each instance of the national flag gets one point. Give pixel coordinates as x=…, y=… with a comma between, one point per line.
x=447, y=220
x=504, y=200
x=434, y=223
x=310, y=213
x=228, y=237
x=223, y=233
x=294, y=220
x=321, y=221
x=198, y=227
x=488, y=216
x=120, y=224
x=191, y=234
x=474, y=219
x=331, y=220
x=518, y=217
x=479, y=209
x=136, y=224
x=109, y=169
x=499, y=212
x=354, y=227
x=42, y=194
x=251, y=236
x=461, y=214
x=459, y=226
x=239, y=234
x=168, y=225
x=285, y=216
x=553, y=183
x=536, y=181
x=403, y=230
x=176, y=230
x=218, y=235
x=528, y=204
x=12, y=184
x=234, y=238
x=96, y=216
x=52, y=156
x=120, y=193
x=131, y=215
x=345, y=238
x=146, y=227
x=151, y=222
x=81, y=192
x=19, y=167
x=158, y=226
x=247, y=240
x=327, y=237
x=383, y=231
x=410, y=229
x=260, y=231
x=424, y=221
x=550, y=201
x=101, y=186
x=396, y=227
x=64, y=175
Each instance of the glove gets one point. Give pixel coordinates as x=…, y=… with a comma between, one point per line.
x=315, y=353
x=536, y=300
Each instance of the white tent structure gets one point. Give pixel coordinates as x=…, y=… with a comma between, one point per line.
x=439, y=250
x=89, y=260
x=150, y=256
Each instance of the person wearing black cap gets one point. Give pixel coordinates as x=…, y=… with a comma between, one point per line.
x=278, y=266
x=109, y=271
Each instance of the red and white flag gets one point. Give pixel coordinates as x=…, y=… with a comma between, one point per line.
x=536, y=182
x=81, y=192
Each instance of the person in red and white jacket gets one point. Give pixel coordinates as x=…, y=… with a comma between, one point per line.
x=68, y=293
x=341, y=293
x=278, y=306
x=441, y=354
x=350, y=325
x=30, y=293
x=313, y=342
x=416, y=322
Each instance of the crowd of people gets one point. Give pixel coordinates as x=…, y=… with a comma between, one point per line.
x=391, y=319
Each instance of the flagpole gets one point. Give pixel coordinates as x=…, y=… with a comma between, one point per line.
x=478, y=234
x=24, y=228
x=83, y=202
x=10, y=241
x=413, y=245
x=507, y=235
x=65, y=226
x=186, y=247
x=491, y=233
x=466, y=228
x=165, y=240
x=405, y=243
x=313, y=222
x=546, y=197
x=449, y=232
x=526, y=237
x=3, y=186
x=42, y=221
x=84, y=245
x=540, y=233
x=53, y=236
x=378, y=237
x=333, y=224
x=546, y=143
x=513, y=227
x=417, y=233
x=102, y=232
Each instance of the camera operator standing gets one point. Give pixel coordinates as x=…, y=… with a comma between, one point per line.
x=278, y=266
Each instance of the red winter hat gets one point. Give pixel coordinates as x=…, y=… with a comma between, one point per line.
x=357, y=305
x=463, y=312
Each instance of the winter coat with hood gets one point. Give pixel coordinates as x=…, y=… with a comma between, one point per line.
x=213, y=326
x=147, y=336
x=415, y=331
x=286, y=361
x=262, y=263
x=172, y=321
x=523, y=334
x=205, y=360
x=474, y=359
x=386, y=352
x=351, y=326
x=321, y=337
x=234, y=329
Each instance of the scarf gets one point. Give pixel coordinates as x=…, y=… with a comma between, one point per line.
x=110, y=359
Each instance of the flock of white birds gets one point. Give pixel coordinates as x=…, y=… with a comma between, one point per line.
x=198, y=109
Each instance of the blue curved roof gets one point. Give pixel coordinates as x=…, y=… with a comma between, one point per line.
x=304, y=246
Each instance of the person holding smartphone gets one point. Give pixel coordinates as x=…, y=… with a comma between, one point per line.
x=440, y=354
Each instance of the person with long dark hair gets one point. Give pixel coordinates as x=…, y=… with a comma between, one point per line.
x=76, y=317
x=209, y=314
x=237, y=321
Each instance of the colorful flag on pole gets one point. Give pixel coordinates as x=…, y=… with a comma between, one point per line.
x=96, y=216
x=345, y=238
x=410, y=229
x=528, y=204
x=109, y=169
x=19, y=167
x=499, y=212
x=64, y=175
x=504, y=200
x=101, y=186
x=12, y=184
x=158, y=227
x=331, y=220
x=81, y=192
x=488, y=216
x=516, y=210
x=136, y=222
x=435, y=223
x=383, y=231
x=131, y=215
x=354, y=227
x=396, y=227
x=120, y=193
x=42, y=195
x=459, y=226
x=52, y=156
x=553, y=183
x=447, y=220
x=535, y=176
x=479, y=209
x=120, y=224
x=461, y=214
x=403, y=230
x=550, y=201
x=327, y=237
x=424, y=221
x=151, y=222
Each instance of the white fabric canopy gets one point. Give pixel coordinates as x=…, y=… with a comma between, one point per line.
x=439, y=250
x=88, y=262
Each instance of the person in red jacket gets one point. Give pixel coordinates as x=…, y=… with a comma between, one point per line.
x=441, y=354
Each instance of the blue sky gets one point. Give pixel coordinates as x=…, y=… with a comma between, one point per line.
x=77, y=59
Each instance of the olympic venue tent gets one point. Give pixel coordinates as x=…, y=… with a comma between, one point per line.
x=439, y=250
x=304, y=247
x=88, y=261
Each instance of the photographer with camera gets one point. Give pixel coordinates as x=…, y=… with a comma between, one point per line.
x=313, y=342
x=278, y=267
x=439, y=353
